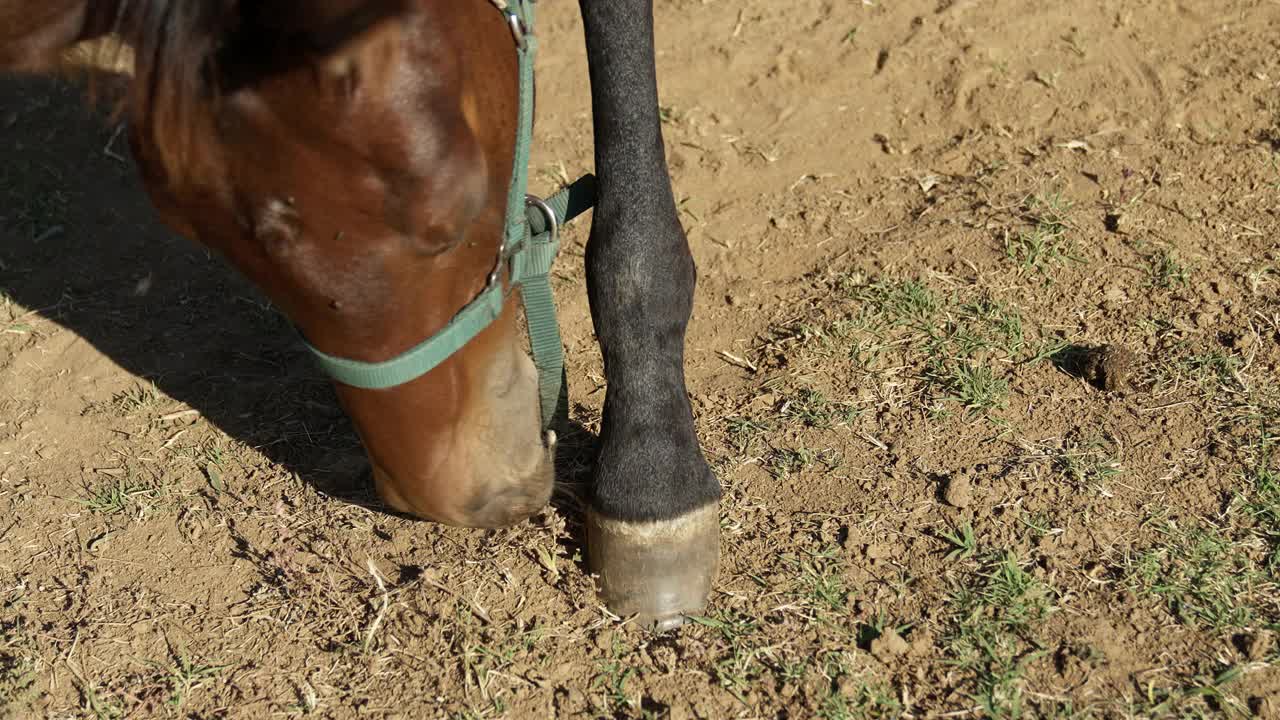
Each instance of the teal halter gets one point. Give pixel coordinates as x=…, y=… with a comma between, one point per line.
x=529, y=246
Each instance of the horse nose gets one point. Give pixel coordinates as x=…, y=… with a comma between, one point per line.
x=471, y=502
x=492, y=467
x=499, y=504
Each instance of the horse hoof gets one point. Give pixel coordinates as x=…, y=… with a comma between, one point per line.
x=659, y=572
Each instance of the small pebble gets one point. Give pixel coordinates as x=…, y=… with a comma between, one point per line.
x=876, y=551
x=1259, y=645
x=958, y=492
x=888, y=645
x=1118, y=223
x=921, y=642
x=604, y=641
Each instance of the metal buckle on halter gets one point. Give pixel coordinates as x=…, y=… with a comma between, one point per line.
x=519, y=30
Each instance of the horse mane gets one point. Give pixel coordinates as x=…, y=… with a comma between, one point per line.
x=175, y=89
x=188, y=54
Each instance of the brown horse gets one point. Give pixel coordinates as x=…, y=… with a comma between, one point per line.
x=353, y=158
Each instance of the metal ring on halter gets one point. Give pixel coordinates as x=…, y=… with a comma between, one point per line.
x=495, y=275
x=553, y=223
x=518, y=30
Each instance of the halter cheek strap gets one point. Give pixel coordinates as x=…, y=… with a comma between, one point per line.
x=529, y=246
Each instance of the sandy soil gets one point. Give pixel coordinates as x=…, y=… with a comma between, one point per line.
x=985, y=352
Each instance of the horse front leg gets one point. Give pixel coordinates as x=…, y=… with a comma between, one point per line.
x=653, y=525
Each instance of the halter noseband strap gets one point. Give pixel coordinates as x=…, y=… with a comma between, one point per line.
x=529, y=246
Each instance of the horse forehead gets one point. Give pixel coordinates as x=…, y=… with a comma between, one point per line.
x=407, y=130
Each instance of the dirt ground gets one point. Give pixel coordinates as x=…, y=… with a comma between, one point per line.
x=985, y=354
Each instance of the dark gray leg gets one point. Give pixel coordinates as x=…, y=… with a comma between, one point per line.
x=653, y=531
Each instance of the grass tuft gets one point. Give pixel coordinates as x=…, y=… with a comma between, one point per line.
x=976, y=387
x=1044, y=245
x=992, y=634
x=185, y=676
x=119, y=495
x=738, y=668
x=856, y=699
x=812, y=408
x=820, y=584
x=1202, y=576
x=964, y=544
x=1089, y=464
x=1165, y=272
x=785, y=462
x=611, y=680
x=18, y=669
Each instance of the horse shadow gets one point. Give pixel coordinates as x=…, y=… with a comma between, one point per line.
x=81, y=244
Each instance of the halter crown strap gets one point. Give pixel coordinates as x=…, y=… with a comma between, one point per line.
x=530, y=243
